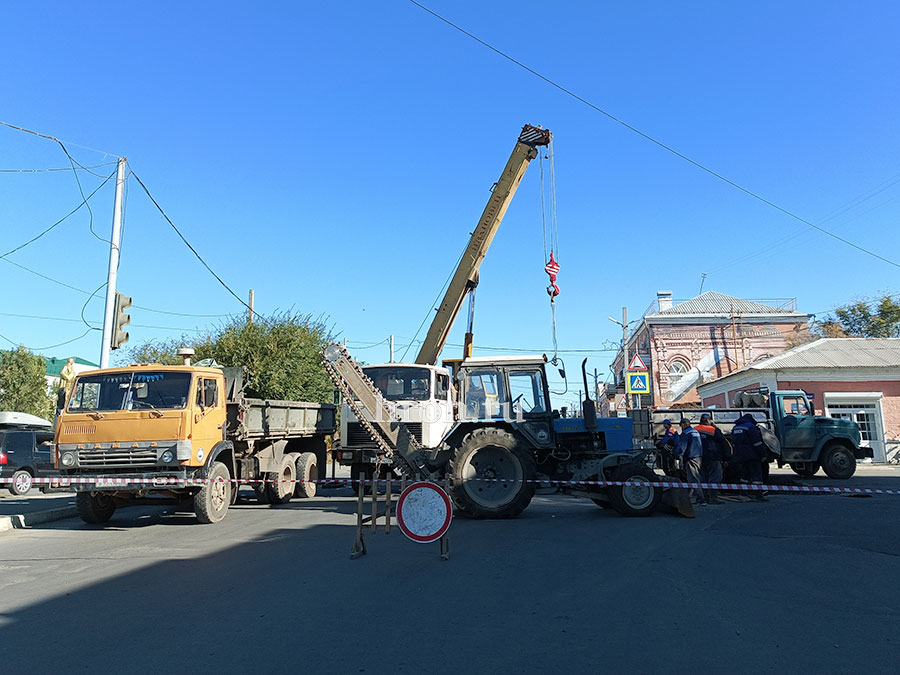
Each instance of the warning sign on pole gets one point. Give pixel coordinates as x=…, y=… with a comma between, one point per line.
x=424, y=512
x=637, y=363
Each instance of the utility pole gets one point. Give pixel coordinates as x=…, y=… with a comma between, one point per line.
x=250, y=313
x=625, y=351
x=392, y=348
x=113, y=265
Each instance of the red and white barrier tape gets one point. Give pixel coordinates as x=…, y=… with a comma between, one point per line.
x=162, y=481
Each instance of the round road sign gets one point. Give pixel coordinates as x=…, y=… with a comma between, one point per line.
x=424, y=512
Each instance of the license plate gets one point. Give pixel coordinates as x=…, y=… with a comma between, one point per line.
x=110, y=482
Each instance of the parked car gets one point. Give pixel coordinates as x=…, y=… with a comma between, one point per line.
x=26, y=451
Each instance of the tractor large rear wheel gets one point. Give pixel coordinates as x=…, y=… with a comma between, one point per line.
x=493, y=475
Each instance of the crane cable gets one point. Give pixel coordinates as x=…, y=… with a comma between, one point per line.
x=552, y=265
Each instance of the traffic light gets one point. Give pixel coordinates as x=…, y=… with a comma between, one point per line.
x=120, y=319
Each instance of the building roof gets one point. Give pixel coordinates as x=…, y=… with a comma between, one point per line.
x=825, y=353
x=713, y=304
x=55, y=365
x=836, y=353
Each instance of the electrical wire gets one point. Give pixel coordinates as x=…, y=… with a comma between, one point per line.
x=193, y=250
x=63, y=168
x=73, y=163
x=831, y=215
x=436, y=300
x=37, y=349
x=84, y=306
x=67, y=320
x=653, y=140
x=84, y=202
x=84, y=292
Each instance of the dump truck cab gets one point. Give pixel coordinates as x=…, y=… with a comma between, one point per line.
x=809, y=441
x=142, y=417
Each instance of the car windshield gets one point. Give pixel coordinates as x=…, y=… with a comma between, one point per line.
x=130, y=391
x=401, y=384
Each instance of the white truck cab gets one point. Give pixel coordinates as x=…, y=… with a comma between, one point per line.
x=422, y=395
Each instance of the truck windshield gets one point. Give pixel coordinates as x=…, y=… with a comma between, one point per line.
x=401, y=384
x=130, y=391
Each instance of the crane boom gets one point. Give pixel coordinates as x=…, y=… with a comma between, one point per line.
x=465, y=278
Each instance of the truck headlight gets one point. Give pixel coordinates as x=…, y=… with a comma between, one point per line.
x=67, y=459
x=167, y=457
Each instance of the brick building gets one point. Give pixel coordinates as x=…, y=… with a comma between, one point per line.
x=852, y=378
x=685, y=343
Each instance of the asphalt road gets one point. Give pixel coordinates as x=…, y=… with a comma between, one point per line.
x=801, y=582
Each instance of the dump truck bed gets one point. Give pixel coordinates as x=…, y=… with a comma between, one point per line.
x=254, y=418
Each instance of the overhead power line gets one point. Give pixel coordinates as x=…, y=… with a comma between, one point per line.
x=62, y=168
x=37, y=349
x=84, y=292
x=59, y=222
x=69, y=320
x=653, y=140
x=188, y=244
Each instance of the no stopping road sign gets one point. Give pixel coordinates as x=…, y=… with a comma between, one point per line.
x=424, y=512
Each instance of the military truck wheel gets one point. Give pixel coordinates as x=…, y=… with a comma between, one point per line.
x=634, y=500
x=94, y=507
x=307, y=474
x=838, y=461
x=21, y=482
x=492, y=475
x=212, y=502
x=281, y=487
x=805, y=469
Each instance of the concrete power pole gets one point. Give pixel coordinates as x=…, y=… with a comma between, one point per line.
x=250, y=306
x=113, y=265
x=625, y=349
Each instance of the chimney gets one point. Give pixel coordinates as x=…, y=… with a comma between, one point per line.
x=185, y=353
x=664, y=300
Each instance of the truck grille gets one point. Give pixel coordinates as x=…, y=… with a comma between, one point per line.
x=357, y=435
x=80, y=429
x=117, y=457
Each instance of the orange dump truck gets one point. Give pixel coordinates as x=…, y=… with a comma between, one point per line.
x=185, y=434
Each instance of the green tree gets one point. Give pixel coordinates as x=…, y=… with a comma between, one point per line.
x=860, y=319
x=156, y=351
x=23, y=385
x=281, y=354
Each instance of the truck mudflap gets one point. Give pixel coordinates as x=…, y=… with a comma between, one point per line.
x=863, y=453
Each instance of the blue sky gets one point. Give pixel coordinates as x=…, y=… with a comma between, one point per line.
x=335, y=156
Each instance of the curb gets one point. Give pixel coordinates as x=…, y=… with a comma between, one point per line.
x=21, y=521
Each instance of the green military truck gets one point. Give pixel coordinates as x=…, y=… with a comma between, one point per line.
x=795, y=436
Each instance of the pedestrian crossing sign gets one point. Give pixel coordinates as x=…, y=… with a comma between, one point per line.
x=637, y=382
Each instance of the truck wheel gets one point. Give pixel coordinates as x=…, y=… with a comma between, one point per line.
x=21, y=482
x=634, y=500
x=212, y=502
x=307, y=474
x=94, y=507
x=838, y=461
x=281, y=487
x=805, y=469
x=492, y=475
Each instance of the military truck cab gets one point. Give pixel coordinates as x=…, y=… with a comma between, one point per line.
x=809, y=442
